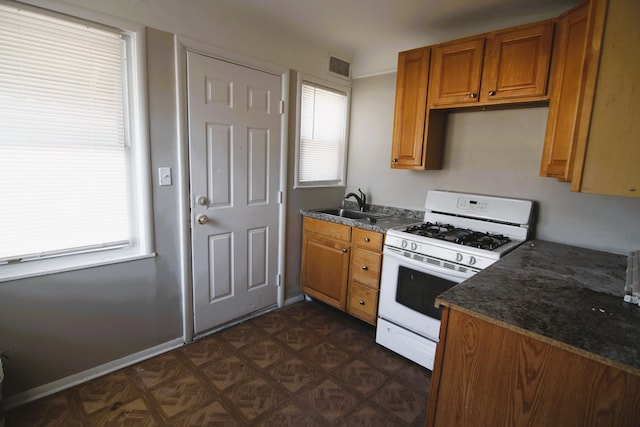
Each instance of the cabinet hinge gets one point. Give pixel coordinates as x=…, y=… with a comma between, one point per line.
x=279, y=280
x=280, y=197
x=282, y=106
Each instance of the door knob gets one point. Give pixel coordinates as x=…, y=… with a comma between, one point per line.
x=202, y=200
x=202, y=219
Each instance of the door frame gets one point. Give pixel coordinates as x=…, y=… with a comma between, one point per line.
x=181, y=46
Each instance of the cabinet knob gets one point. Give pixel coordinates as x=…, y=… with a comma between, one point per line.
x=361, y=302
x=473, y=95
x=492, y=93
x=344, y=249
x=394, y=160
x=365, y=268
x=366, y=239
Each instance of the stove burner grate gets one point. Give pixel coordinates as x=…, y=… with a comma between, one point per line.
x=462, y=236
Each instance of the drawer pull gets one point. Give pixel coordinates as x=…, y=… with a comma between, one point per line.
x=365, y=268
x=367, y=240
x=361, y=302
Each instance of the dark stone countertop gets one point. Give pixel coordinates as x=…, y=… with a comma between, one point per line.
x=566, y=296
x=397, y=218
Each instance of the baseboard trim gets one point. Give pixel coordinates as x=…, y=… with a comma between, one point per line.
x=81, y=377
x=294, y=300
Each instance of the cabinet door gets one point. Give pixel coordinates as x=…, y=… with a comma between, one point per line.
x=455, y=73
x=410, y=109
x=516, y=63
x=567, y=91
x=325, y=269
x=608, y=160
x=325, y=261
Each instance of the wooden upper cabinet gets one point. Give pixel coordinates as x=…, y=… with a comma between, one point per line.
x=567, y=92
x=516, y=63
x=505, y=66
x=608, y=147
x=455, y=73
x=410, y=109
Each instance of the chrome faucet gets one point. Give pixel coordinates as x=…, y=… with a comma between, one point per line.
x=362, y=200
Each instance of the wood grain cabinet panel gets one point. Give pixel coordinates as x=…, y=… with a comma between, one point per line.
x=516, y=64
x=415, y=145
x=325, y=261
x=506, y=66
x=567, y=92
x=592, y=129
x=487, y=375
x=456, y=72
x=608, y=145
x=363, y=302
x=341, y=266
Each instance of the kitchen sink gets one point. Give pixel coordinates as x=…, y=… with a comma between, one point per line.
x=351, y=214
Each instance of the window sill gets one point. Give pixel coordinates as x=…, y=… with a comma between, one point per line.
x=63, y=264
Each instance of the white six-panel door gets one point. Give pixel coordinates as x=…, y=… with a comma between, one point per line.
x=234, y=155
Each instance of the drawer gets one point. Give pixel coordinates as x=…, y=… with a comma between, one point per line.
x=370, y=240
x=328, y=229
x=363, y=302
x=366, y=267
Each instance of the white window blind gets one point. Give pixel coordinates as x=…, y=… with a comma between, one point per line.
x=323, y=117
x=64, y=154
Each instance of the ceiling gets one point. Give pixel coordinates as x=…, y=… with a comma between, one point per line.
x=370, y=33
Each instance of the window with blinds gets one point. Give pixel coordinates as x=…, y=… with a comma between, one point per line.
x=322, y=135
x=66, y=164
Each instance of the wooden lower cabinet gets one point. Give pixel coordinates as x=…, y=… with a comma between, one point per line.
x=364, y=275
x=341, y=267
x=325, y=261
x=487, y=375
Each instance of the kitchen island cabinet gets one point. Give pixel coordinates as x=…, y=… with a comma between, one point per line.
x=542, y=337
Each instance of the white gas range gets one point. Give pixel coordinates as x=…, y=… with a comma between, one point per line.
x=461, y=234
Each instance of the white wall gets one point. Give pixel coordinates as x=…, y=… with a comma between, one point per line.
x=489, y=152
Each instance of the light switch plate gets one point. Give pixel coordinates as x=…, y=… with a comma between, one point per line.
x=165, y=176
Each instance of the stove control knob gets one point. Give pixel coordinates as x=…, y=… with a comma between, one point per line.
x=458, y=257
x=414, y=246
x=404, y=244
x=472, y=260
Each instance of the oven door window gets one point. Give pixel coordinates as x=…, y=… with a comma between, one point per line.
x=418, y=291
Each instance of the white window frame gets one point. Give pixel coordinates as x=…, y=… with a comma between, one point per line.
x=346, y=89
x=141, y=220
